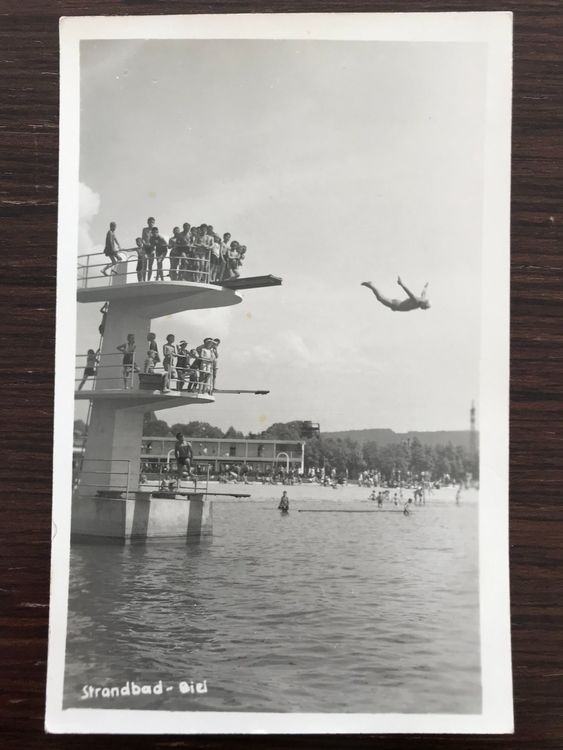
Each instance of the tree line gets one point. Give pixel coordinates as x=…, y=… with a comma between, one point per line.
x=346, y=456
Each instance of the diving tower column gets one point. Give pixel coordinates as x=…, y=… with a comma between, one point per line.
x=109, y=501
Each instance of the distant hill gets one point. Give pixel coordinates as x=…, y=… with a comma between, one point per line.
x=384, y=436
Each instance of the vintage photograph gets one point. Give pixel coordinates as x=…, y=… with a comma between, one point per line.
x=287, y=434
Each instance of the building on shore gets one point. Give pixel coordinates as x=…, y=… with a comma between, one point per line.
x=261, y=457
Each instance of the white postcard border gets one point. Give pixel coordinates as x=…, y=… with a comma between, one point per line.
x=494, y=29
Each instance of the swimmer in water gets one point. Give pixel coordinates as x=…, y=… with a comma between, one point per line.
x=284, y=503
x=412, y=302
x=406, y=510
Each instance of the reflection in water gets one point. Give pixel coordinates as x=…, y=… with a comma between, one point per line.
x=309, y=612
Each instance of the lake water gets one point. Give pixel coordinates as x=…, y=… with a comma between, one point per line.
x=313, y=612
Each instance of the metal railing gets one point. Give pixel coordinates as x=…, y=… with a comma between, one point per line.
x=194, y=265
x=128, y=370
x=191, y=379
x=118, y=485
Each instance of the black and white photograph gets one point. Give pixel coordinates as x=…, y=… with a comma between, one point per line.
x=280, y=497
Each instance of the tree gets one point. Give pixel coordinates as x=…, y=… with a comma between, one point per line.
x=234, y=434
x=284, y=431
x=155, y=427
x=197, y=430
x=371, y=454
x=417, y=463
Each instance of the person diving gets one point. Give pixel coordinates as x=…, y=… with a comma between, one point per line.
x=412, y=302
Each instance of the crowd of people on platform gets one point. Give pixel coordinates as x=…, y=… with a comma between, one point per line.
x=195, y=253
x=193, y=369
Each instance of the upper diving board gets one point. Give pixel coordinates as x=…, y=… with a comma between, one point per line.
x=250, y=282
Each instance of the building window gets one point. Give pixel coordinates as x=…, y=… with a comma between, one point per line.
x=232, y=450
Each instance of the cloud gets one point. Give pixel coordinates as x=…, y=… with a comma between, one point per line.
x=328, y=355
x=89, y=205
x=253, y=354
x=196, y=324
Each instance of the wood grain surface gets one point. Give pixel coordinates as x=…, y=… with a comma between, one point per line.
x=28, y=205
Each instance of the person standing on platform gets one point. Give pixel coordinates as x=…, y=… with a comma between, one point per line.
x=222, y=270
x=203, y=252
x=111, y=249
x=184, y=242
x=153, y=346
x=183, y=454
x=182, y=364
x=129, y=365
x=176, y=252
x=141, y=260
x=205, y=365
x=160, y=250
x=90, y=371
x=216, y=343
x=146, y=232
x=193, y=372
x=214, y=259
x=170, y=353
x=233, y=258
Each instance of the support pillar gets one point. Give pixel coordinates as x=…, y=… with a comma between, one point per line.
x=111, y=459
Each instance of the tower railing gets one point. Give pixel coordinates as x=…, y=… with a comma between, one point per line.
x=113, y=481
x=194, y=266
x=199, y=380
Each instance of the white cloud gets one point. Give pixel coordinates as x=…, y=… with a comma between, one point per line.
x=195, y=325
x=253, y=354
x=89, y=205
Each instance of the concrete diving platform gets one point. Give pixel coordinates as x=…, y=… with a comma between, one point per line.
x=140, y=517
x=146, y=400
x=158, y=298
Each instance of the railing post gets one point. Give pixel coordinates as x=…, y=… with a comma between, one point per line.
x=87, y=272
x=132, y=370
x=128, y=478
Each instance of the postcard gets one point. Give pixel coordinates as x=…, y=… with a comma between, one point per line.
x=280, y=493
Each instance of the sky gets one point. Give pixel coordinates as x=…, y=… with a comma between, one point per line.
x=335, y=163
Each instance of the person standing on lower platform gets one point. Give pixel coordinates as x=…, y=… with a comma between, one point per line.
x=183, y=454
x=91, y=369
x=182, y=364
x=153, y=346
x=205, y=365
x=216, y=343
x=129, y=365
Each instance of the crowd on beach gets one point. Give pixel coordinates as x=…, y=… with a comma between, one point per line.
x=195, y=253
x=193, y=369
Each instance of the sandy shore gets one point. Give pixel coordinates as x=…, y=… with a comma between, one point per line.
x=314, y=492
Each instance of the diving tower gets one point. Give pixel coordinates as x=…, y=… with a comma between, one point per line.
x=109, y=498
